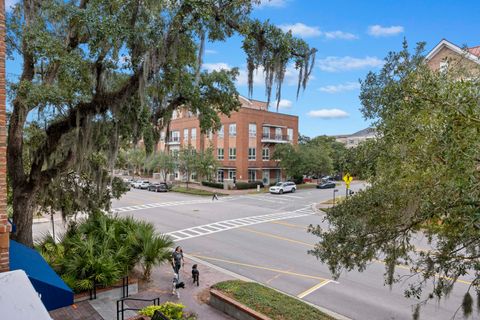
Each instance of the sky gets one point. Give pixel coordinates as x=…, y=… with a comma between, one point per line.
x=352, y=38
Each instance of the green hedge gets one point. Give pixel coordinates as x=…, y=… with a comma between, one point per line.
x=273, y=304
x=212, y=184
x=248, y=185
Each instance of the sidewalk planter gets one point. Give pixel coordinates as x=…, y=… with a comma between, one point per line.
x=233, y=308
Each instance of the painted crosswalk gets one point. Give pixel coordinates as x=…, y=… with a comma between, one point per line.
x=225, y=225
x=167, y=204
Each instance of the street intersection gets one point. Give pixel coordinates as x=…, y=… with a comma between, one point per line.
x=264, y=237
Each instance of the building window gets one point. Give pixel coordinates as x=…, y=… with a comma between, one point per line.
x=232, y=174
x=278, y=134
x=266, y=132
x=232, y=129
x=265, y=154
x=174, y=136
x=252, y=130
x=220, y=176
x=290, y=134
x=232, y=154
x=194, y=135
x=185, y=136
x=221, y=132
x=174, y=115
x=220, y=153
x=443, y=66
x=252, y=175
x=252, y=153
x=190, y=114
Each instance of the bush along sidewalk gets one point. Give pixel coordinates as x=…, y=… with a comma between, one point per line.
x=269, y=302
x=173, y=311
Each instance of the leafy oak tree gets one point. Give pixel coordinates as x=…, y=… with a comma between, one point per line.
x=426, y=182
x=90, y=68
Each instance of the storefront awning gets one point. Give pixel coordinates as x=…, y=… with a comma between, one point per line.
x=53, y=291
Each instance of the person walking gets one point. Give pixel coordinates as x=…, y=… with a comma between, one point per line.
x=177, y=259
x=214, y=197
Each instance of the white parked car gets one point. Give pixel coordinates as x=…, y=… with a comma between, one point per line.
x=144, y=185
x=282, y=187
x=137, y=184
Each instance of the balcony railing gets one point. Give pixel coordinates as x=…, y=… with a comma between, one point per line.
x=275, y=138
x=173, y=140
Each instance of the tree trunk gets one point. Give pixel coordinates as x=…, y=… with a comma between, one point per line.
x=23, y=209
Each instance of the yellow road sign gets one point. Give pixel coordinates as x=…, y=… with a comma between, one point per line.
x=347, y=178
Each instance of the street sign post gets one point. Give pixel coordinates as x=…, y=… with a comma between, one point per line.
x=347, y=178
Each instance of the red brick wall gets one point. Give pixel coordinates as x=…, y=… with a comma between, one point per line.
x=242, y=118
x=4, y=225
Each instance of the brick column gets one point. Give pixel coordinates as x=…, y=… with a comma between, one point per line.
x=4, y=225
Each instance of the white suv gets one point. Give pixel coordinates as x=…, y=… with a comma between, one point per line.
x=282, y=187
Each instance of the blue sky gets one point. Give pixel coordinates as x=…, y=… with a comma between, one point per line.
x=352, y=38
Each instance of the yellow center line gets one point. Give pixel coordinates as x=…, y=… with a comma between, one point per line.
x=277, y=237
x=312, y=289
x=261, y=268
x=290, y=225
x=399, y=266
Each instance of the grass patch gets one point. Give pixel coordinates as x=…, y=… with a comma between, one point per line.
x=338, y=199
x=194, y=191
x=306, y=186
x=269, y=302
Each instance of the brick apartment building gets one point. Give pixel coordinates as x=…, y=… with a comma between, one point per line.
x=243, y=145
x=446, y=54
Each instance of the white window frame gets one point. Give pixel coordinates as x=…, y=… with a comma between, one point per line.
x=278, y=133
x=290, y=134
x=193, y=134
x=254, y=175
x=232, y=153
x=175, y=134
x=232, y=129
x=221, y=154
x=185, y=136
x=266, y=132
x=252, y=154
x=265, y=154
x=252, y=130
x=221, y=132
x=232, y=174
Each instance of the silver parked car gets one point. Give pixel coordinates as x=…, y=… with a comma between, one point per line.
x=282, y=187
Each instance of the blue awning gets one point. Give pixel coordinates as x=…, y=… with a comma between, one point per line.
x=53, y=291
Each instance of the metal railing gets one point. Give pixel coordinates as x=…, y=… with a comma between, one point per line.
x=121, y=305
x=124, y=286
x=276, y=137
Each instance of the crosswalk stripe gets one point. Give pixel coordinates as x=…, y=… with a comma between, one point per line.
x=220, y=226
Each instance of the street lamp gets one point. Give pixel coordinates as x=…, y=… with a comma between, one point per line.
x=334, y=191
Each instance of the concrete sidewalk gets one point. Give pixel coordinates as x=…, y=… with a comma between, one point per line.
x=194, y=297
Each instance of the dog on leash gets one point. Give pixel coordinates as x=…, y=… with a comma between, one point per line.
x=177, y=284
x=195, y=275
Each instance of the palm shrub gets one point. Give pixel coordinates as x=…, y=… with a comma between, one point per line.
x=153, y=249
x=102, y=249
x=171, y=310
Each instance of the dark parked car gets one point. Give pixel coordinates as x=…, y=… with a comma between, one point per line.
x=326, y=185
x=158, y=187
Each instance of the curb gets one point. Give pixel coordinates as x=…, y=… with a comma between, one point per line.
x=240, y=277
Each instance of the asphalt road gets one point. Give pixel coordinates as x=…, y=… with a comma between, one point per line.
x=263, y=237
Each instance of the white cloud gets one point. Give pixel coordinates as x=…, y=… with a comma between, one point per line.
x=348, y=86
x=9, y=4
x=327, y=114
x=284, y=104
x=216, y=66
x=272, y=3
x=339, y=35
x=301, y=30
x=379, y=31
x=334, y=64
x=210, y=51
